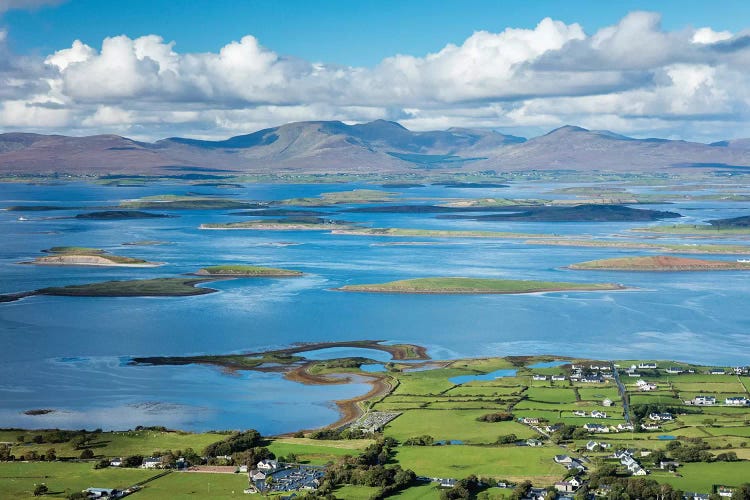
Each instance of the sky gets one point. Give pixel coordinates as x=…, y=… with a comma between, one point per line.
x=212, y=69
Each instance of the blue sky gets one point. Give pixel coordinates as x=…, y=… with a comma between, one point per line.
x=150, y=69
x=358, y=33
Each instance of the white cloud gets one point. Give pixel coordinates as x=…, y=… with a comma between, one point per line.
x=629, y=75
x=707, y=36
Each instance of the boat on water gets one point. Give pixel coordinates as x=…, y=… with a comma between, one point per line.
x=22, y=218
x=743, y=261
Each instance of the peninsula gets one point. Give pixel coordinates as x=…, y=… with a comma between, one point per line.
x=452, y=285
x=661, y=263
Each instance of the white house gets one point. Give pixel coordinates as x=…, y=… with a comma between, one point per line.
x=702, y=400
x=598, y=414
x=151, y=463
x=596, y=427
x=267, y=465
x=607, y=402
x=737, y=401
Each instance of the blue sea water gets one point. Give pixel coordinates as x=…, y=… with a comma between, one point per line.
x=71, y=353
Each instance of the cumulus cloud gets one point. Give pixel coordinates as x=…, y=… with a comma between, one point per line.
x=632, y=76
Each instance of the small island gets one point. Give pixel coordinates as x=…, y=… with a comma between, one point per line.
x=158, y=287
x=434, y=233
x=661, y=247
x=120, y=215
x=716, y=227
x=176, y=202
x=291, y=224
x=84, y=256
x=662, y=263
x=245, y=271
x=477, y=286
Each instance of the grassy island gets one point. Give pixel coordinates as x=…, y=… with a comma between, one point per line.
x=120, y=215
x=291, y=224
x=158, y=287
x=341, y=197
x=244, y=271
x=661, y=247
x=174, y=202
x=83, y=256
x=476, y=286
x=661, y=263
x=435, y=233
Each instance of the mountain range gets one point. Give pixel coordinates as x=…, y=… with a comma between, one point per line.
x=376, y=147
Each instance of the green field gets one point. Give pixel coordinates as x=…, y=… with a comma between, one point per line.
x=18, y=479
x=500, y=462
x=190, y=485
x=115, y=443
x=454, y=425
x=476, y=285
x=316, y=452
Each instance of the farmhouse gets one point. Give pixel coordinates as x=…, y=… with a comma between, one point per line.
x=596, y=427
x=702, y=400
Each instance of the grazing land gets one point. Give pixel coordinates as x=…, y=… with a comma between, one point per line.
x=661, y=263
x=476, y=286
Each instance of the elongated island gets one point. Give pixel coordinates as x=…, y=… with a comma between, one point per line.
x=453, y=285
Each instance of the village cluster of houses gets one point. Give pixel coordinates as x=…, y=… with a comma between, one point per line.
x=591, y=374
x=676, y=370
x=273, y=476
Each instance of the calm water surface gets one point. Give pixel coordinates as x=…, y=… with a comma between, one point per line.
x=71, y=353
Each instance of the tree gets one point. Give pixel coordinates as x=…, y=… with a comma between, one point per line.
x=86, y=454
x=51, y=455
x=41, y=489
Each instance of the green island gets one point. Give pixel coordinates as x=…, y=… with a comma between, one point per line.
x=120, y=215
x=685, y=248
x=452, y=285
x=83, y=256
x=494, y=427
x=157, y=287
x=290, y=224
x=716, y=227
x=243, y=270
x=176, y=202
x=341, y=197
x=662, y=263
x=434, y=233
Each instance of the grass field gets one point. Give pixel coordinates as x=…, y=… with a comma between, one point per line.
x=18, y=479
x=501, y=462
x=453, y=425
x=702, y=476
x=317, y=452
x=117, y=443
x=191, y=485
